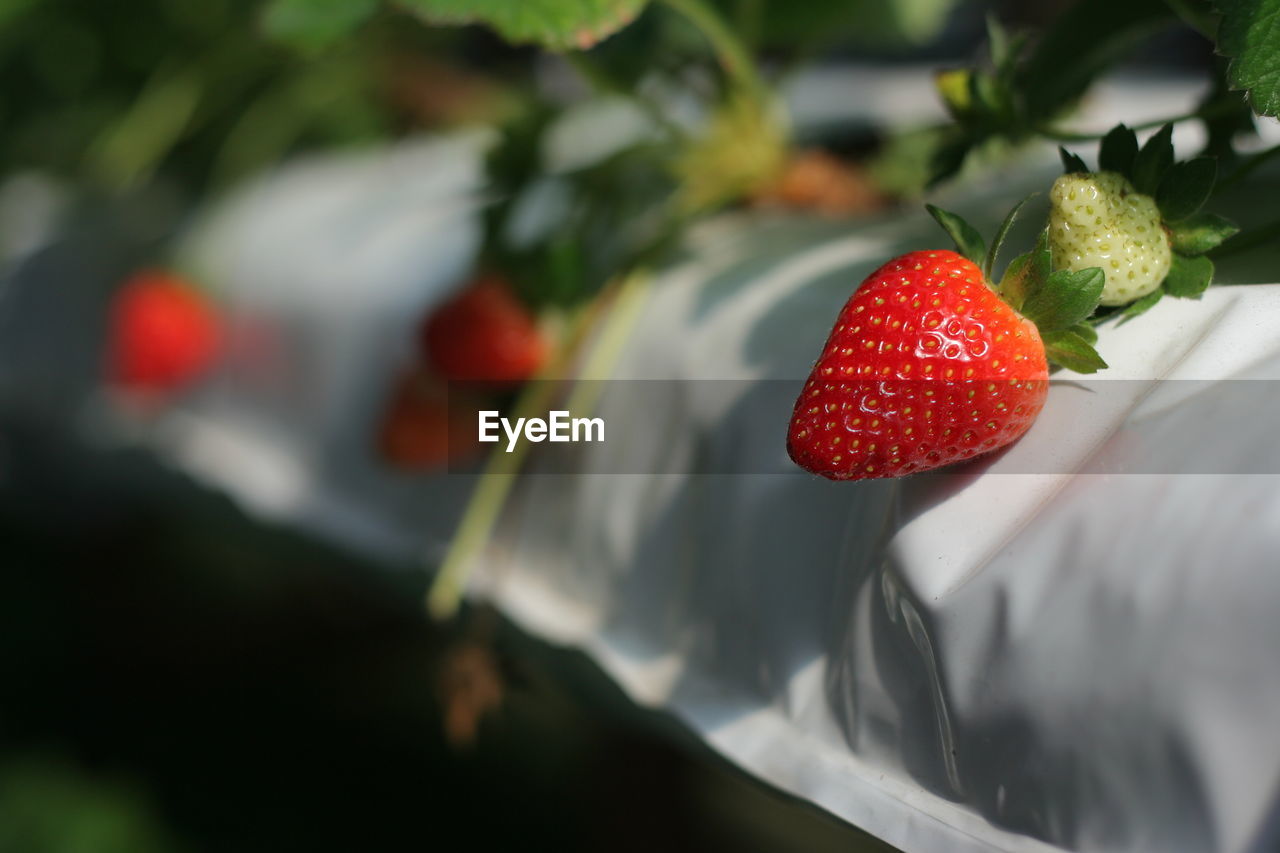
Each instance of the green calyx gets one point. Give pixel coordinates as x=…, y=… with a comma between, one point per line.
x=1060, y=302
x=1180, y=190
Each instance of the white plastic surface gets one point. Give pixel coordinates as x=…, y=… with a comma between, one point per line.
x=1005, y=660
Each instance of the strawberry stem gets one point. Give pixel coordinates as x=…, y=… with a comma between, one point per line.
x=729, y=50
x=499, y=475
x=1209, y=112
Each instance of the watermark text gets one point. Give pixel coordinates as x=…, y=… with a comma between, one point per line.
x=558, y=426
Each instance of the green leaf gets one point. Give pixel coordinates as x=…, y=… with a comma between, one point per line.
x=1026, y=273
x=1153, y=161
x=1071, y=162
x=967, y=239
x=1084, y=41
x=554, y=24
x=1201, y=232
x=1066, y=298
x=1086, y=331
x=313, y=24
x=1072, y=351
x=1140, y=306
x=1119, y=148
x=989, y=263
x=1186, y=187
x=1188, y=277
x=1249, y=35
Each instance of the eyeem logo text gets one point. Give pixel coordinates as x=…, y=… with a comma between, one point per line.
x=558, y=426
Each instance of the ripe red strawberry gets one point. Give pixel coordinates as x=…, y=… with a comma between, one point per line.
x=926, y=366
x=484, y=333
x=163, y=333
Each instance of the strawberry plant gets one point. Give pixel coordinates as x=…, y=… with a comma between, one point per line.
x=935, y=358
x=1139, y=220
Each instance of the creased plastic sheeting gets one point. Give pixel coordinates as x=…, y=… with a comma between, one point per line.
x=952, y=662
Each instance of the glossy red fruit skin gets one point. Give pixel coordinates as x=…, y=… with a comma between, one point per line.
x=925, y=367
x=163, y=333
x=484, y=334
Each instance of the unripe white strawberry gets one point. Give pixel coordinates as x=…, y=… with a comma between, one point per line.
x=1098, y=219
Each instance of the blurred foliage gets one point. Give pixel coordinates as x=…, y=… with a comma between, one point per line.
x=50, y=806
x=879, y=25
x=582, y=24
x=315, y=24
x=111, y=94
x=1021, y=93
x=555, y=24
x=1089, y=38
x=741, y=150
x=561, y=230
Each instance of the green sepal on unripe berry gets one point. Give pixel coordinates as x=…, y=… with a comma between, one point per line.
x=1186, y=187
x=1139, y=307
x=1163, y=220
x=1201, y=232
x=1153, y=160
x=1189, y=277
x=1118, y=150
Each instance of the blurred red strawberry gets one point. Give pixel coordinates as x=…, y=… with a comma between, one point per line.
x=163, y=333
x=423, y=428
x=484, y=333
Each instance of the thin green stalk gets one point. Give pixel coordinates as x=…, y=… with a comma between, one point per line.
x=500, y=471
x=729, y=49
x=1072, y=136
x=622, y=317
x=1247, y=165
